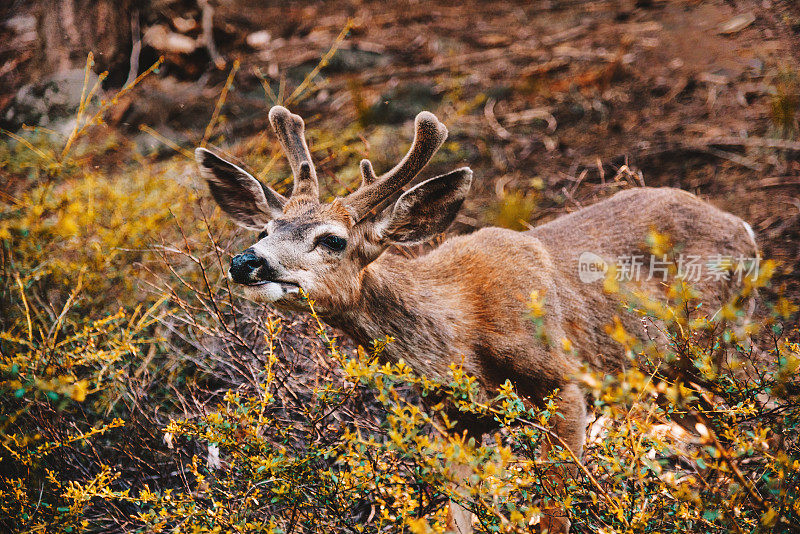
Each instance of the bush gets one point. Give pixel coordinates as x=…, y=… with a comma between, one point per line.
x=138, y=394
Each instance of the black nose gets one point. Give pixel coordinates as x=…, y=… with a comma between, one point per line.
x=247, y=268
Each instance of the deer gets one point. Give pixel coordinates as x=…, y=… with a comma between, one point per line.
x=464, y=301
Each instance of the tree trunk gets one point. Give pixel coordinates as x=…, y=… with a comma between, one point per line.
x=70, y=29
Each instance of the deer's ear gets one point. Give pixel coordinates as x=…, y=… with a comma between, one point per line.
x=248, y=202
x=427, y=208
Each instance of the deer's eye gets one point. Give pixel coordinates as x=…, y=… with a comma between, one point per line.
x=263, y=234
x=333, y=242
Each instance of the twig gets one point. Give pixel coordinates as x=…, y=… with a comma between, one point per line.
x=207, y=24
x=172, y=144
x=322, y=63
x=529, y=115
x=734, y=158
x=566, y=35
x=27, y=308
x=104, y=105
x=136, y=49
x=778, y=181
x=729, y=460
x=488, y=112
x=706, y=146
x=521, y=117
x=272, y=99
x=28, y=145
x=565, y=446
x=220, y=102
x=10, y=65
x=84, y=100
x=749, y=142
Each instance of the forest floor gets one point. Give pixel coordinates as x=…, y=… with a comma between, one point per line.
x=553, y=104
x=546, y=101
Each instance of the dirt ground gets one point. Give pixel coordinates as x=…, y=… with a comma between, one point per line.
x=545, y=100
x=647, y=83
x=555, y=104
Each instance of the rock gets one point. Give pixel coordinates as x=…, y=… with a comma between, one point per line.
x=184, y=25
x=259, y=40
x=24, y=26
x=160, y=38
x=737, y=23
x=21, y=24
x=51, y=102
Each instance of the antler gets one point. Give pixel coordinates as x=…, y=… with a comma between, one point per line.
x=290, y=130
x=429, y=134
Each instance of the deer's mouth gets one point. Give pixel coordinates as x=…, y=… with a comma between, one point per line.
x=271, y=290
x=284, y=284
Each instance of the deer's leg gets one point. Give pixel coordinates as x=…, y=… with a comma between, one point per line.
x=572, y=430
x=459, y=519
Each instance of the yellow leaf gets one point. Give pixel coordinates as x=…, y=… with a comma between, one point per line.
x=784, y=308
x=78, y=392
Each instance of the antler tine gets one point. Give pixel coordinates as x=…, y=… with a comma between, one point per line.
x=429, y=134
x=367, y=173
x=290, y=130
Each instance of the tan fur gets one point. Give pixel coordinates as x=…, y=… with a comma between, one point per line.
x=466, y=301
x=467, y=298
x=429, y=134
x=290, y=130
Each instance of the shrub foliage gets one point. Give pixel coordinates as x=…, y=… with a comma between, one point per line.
x=139, y=395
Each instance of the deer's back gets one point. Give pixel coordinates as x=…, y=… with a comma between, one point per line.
x=467, y=300
x=617, y=229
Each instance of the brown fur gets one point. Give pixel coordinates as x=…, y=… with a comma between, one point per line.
x=467, y=298
x=466, y=301
x=429, y=134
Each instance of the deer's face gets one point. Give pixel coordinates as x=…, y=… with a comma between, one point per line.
x=322, y=248
x=313, y=247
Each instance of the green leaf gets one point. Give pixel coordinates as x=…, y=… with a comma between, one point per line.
x=711, y=515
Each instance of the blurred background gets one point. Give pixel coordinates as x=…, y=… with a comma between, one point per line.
x=111, y=246
x=547, y=100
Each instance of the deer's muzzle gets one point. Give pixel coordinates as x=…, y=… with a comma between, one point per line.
x=250, y=269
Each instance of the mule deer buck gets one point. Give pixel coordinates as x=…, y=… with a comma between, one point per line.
x=464, y=301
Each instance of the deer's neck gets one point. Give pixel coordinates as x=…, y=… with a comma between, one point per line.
x=414, y=303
